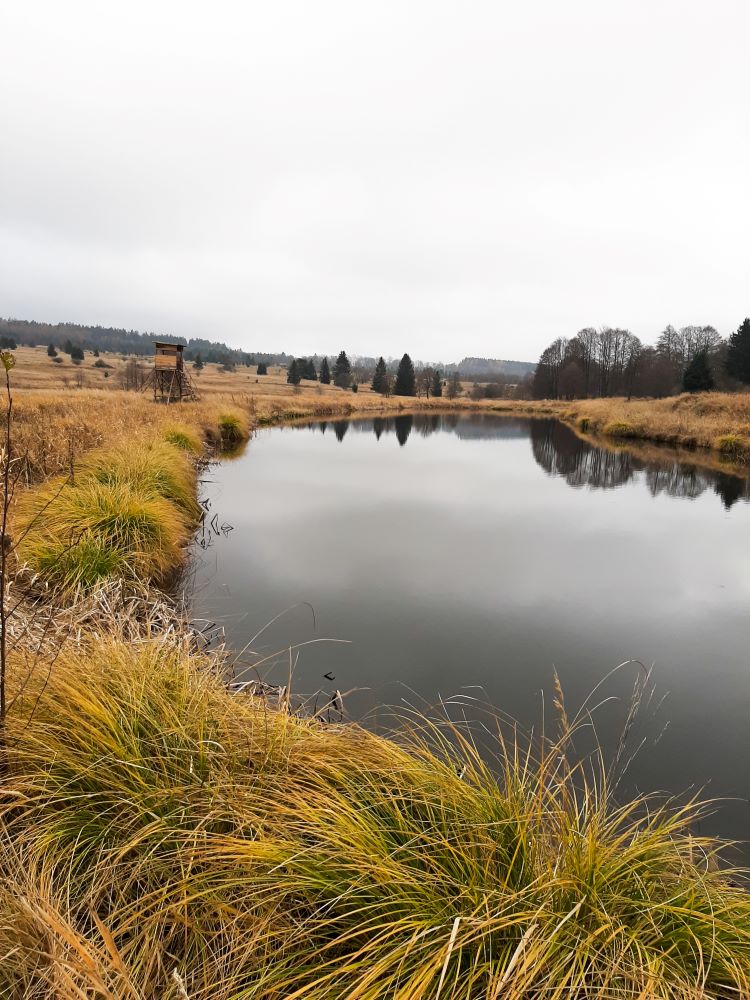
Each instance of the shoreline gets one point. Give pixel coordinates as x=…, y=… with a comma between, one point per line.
x=153, y=823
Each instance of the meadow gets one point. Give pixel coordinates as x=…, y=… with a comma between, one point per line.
x=164, y=837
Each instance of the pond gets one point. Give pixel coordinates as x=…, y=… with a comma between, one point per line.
x=467, y=558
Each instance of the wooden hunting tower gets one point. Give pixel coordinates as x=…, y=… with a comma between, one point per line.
x=170, y=380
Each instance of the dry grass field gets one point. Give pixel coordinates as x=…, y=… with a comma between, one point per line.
x=716, y=421
x=62, y=411
x=35, y=370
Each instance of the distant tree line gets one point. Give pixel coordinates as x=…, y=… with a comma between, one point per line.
x=614, y=362
x=120, y=341
x=405, y=381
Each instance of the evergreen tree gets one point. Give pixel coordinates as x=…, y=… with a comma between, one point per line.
x=51, y=352
x=437, y=384
x=292, y=372
x=406, y=384
x=325, y=372
x=342, y=371
x=738, y=353
x=309, y=370
x=380, y=378
x=198, y=363
x=76, y=354
x=96, y=352
x=698, y=377
x=68, y=346
x=262, y=368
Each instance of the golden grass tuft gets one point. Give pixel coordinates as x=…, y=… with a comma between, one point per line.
x=155, y=829
x=153, y=468
x=233, y=427
x=734, y=447
x=75, y=535
x=183, y=437
x=619, y=429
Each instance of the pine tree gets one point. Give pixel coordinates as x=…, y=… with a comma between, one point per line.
x=262, y=368
x=198, y=363
x=51, y=352
x=342, y=371
x=292, y=372
x=325, y=372
x=437, y=384
x=738, y=353
x=698, y=377
x=406, y=384
x=309, y=370
x=380, y=378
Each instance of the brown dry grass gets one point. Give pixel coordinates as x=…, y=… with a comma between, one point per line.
x=56, y=423
x=719, y=421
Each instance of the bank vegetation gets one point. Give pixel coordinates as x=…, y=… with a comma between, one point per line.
x=163, y=836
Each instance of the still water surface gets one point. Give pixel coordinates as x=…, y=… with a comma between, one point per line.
x=472, y=556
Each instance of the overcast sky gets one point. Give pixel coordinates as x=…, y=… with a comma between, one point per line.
x=472, y=177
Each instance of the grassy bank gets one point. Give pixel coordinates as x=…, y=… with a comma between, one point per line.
x=717, y=421
x=53, y=431
x=110, y=476
x=161, y=838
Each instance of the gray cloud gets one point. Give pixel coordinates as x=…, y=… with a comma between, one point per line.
x=448, y=178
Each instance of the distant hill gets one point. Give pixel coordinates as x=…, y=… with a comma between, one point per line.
x=107, y=338
x=478, y=367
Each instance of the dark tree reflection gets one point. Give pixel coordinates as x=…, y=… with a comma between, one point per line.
x=427, y=423
x=560, y=452
x=685, y=481
x=403, y=428
x=731, y=489
x=340, y=427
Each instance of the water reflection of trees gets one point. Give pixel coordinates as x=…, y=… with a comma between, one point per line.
x=560, y=452
x=403, y=425
x=340, y=427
